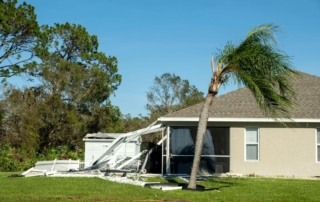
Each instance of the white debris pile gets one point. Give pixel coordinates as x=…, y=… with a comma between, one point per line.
x=45, y=168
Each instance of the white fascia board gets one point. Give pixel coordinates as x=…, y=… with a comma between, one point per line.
x=196, y=119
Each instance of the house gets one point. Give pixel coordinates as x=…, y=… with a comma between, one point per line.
x=240, y=139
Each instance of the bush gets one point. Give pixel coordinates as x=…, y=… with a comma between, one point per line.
x=12, y=160
x=61, y=152
x=20, y=159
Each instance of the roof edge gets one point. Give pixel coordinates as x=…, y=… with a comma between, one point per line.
x=196, y=119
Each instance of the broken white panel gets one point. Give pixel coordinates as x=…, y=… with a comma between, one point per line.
x=32, y=172
x=48, y=167
x=127, y=138
x=170, y=188
x=132, y=159
x=95, y=148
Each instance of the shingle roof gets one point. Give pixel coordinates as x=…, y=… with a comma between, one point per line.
x=241, y=103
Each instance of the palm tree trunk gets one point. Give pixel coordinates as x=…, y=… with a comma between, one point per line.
x=200, y=138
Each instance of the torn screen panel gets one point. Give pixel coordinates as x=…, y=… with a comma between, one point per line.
x=208, y=164
x=181, y=142
x=182, y=149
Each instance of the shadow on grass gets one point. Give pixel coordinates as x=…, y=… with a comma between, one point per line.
x=206, y=184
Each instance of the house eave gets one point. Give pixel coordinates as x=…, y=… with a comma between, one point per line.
x=196, y=119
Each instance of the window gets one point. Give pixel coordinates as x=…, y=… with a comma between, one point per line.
x=252, y=144
x=318, y=144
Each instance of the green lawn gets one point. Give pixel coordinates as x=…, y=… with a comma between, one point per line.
x=95, y=189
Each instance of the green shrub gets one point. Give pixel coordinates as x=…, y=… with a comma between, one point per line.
x=73, y=155
x=19, y=159
x=8, y=164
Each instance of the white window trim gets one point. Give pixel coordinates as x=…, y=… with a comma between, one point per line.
x=245, y=144
x=317, y=144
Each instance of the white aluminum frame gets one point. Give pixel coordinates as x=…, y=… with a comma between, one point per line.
x=161, y=142
x=168, y=151
x=127, y=137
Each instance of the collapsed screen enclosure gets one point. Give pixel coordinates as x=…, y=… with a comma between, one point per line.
x=215, y=156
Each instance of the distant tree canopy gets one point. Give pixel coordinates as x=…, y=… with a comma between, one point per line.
x=170, y=93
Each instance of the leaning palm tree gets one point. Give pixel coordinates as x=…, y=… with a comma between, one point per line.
x=258, y=64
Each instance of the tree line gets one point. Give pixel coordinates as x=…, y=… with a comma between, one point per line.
x=68, y=96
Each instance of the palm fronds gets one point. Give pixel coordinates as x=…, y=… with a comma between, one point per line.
x=260, y=65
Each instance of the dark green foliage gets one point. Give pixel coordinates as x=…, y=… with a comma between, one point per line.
x=23, y=157
x=15, y=159
x=62, y=152
x=130, y=123
x=104, y=118
x=62, y=109
x=19, y=36
x=73, y=43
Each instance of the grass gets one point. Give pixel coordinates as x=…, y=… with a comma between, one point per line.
x=95, y=189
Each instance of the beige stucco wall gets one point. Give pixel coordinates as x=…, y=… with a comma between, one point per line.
x=282, y=151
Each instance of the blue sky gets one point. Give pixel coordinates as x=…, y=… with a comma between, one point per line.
x=152, y=37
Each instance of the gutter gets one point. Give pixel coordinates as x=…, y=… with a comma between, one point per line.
x=196, y=119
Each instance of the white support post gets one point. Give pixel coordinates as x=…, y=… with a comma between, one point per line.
x=54, y=163
x=168, y=151
x=162, y=153
x=125, y=149
x=78, y=164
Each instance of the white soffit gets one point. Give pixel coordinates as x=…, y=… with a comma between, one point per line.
x=196, y=119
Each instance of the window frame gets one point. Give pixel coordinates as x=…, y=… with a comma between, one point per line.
x=251, y=143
